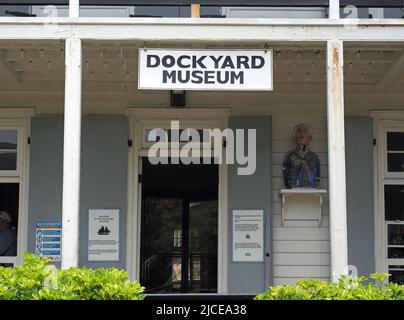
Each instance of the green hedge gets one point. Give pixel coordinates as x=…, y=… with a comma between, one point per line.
x=347, y=288
x=36, y=279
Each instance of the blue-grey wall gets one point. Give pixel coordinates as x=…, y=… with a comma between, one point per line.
x=359, y=182
x=251, y=192
x=104, y=166
x=103, y=174
x=46, y=168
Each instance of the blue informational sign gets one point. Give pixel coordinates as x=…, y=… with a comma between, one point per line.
x=48, y=239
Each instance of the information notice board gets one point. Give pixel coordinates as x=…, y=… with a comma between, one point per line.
x=48, y=239
x=103, y=235
x=248, y=235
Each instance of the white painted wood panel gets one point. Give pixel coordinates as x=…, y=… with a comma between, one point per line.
x=285, y=134
x=277, y=222
x=300, y=249
x=300, y=233
x=302, y=271
x=285, y=281
x=283, y=146
x=309, y=246
x=277, y=198
x=301, y=259
x=276, y=209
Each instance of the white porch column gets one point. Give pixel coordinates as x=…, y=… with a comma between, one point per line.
x=74, y=8
x=336, y=159
x=333, y=9
x=71, y=154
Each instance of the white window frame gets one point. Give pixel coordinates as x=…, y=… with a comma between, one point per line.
x=18, y=119
x=390, y=261
x=141, y=118
x=388, y=174
x=383, y=121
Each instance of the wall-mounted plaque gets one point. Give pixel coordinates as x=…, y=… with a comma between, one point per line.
x=103, y=235
x=248, y=235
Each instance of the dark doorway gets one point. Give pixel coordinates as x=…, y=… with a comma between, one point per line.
x=9, y=202
x=179, y=227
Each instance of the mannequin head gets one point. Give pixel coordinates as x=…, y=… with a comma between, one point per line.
x=301, y=135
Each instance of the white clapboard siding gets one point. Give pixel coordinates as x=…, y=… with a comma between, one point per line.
x=301, y=271
x=308, y=246
x=283, y=146
x=285, y=134
x=300, y=233
x=301, y=249
x=288, y=122
x=277, y=222
x=277, y=198
x=277, y=208
x=301, y=259
x=285, y=281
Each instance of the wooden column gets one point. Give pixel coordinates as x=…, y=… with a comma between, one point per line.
x=333, y=9
x=71, y=155
x=336, y=159
x=74, y=8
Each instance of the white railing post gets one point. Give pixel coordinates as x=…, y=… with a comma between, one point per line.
x=74, y=8
x=71, y=154
x=333, y=9
x=336, y=159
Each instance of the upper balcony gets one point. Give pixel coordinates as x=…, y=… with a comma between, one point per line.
x=262, y=9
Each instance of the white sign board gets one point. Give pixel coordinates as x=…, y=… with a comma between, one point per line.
x=103, y=235
x=48, y=240
x=183, y=69
x=248, y=235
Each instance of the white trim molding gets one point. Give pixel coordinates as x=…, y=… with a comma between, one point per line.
x=20, y=120
x=382, y=121
x=202, y=29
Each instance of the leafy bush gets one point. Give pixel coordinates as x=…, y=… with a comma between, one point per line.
x=36, y=279
x=347, y=288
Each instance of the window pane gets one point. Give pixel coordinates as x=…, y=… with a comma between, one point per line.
x=394, y=204
x=203, y=233
x=395, y=162
x=8, y=139
x=395, y=253
x=9, y=200
x=6, y=265
x=8, y=160
x=396, y=235
x=397, y=276
x=395, y=141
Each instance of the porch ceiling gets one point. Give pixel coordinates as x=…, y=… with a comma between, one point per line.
x=33, y=71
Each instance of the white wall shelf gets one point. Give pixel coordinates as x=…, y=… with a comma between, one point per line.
x=302, y=204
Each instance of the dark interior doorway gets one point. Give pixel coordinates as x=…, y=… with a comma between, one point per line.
x=179, y=228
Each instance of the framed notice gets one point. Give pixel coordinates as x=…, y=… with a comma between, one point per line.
x=48, y=237
x=248, y=235
x=103, y=235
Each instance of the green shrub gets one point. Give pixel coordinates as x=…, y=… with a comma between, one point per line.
x=36, y=279
x=347, y=288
